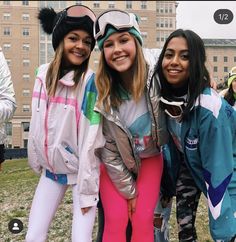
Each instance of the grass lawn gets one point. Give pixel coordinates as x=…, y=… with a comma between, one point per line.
x=17, y=186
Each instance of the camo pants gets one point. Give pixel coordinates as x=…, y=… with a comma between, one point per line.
x=187, y=198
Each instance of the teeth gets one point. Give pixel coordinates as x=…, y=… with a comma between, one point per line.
x=174, y=71
x=120, y=58
x=78, y=54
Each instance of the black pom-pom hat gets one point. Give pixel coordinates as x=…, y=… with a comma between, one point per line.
x=60, y=24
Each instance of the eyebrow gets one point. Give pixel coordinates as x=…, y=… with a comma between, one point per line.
x=119, y=36
x=86, y=37
x=174, y=50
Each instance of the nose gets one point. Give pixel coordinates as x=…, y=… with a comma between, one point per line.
x=117, y=47
x=79, y=44
x=175, y=60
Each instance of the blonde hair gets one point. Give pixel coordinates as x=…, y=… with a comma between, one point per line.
x=107, y=80
x=55, y=68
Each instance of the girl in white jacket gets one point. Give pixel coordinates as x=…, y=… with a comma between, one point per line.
x=64, y=129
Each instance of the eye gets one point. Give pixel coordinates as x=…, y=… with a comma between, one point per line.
x=107, y=44
x=124, y=40
x=185, y=56
x=88, y=42
x=168, y=55
x=72, y=38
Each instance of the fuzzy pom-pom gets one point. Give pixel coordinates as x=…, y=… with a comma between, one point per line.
x=46, y=17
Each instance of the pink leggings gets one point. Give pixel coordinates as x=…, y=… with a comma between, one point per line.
x=115, y=205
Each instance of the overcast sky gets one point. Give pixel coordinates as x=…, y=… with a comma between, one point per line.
x=198, y=16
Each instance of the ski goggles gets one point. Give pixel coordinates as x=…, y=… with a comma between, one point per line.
x=232, y=76
x=70, y=14
x=117, y=18
x=174, y=109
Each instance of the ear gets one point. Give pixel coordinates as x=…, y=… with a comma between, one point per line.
x=47, y=17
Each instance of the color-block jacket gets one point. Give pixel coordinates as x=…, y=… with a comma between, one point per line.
x=208, y=139
x=119, y=155
x=65, y=132
x=7, y=96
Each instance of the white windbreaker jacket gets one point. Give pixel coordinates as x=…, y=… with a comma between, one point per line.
x=65, y=132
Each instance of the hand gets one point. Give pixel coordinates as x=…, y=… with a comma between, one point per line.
x=131, y=207
x=213, y=84
x=157, y=221
x=85, y=210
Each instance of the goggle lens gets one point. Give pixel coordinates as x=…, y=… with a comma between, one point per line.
x=116, y=18
x=173, y=109
x=80, y=11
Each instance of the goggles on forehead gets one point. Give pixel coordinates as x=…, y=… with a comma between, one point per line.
x=70, y=14
x=174, y=109
x=117, y=18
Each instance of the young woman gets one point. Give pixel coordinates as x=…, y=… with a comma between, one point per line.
x=64, y=129
x=133, y=127
x=203, y=130
x=230, y=95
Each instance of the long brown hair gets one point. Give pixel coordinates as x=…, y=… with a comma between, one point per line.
x=107, y=80
x=55, y=68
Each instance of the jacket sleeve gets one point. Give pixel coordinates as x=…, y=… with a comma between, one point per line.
x=7, y=94
x=121, y=176
x=90, y=139
x=32, y=156
x=217, y=152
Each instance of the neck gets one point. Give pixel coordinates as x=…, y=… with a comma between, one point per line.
x=126, y=80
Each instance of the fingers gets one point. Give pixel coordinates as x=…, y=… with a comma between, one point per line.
x=85, y=210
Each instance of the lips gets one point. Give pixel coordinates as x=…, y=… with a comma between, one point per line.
x=120, y=58
x=78, y=54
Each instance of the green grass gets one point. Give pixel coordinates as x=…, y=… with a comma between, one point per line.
x=17, y=186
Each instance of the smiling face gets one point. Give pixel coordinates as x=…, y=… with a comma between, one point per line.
x=175, y=63
x=120, y=51
x=77, y=47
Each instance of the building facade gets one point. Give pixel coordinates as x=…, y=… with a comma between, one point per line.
x=221, y=57
x=26, y=46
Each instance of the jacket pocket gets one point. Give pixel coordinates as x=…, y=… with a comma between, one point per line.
x=65, y=159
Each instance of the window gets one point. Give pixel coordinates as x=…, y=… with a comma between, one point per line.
x=144, y=35
x=215, y=69
x=8, y=62
x=96, y=4
x=26, y=77
x=26, y=62
x=225, y=68
x=8, y=128
x=214, y=58
x=128, y=4
x=6, y=16
x=25, y=16
x=162, y=23
x=234, y=58
x=143, y=4
x=6, y=47
x=26, y=108
x=25, y=126
x=225, y=59
x=6, y=2
x=7, y=31
x=111, y=4
x=171, y=23
x=26, y=47
x=166, y=23
x=25, y=32
x=25, y=3
x=26, y=92
x=143, y=19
